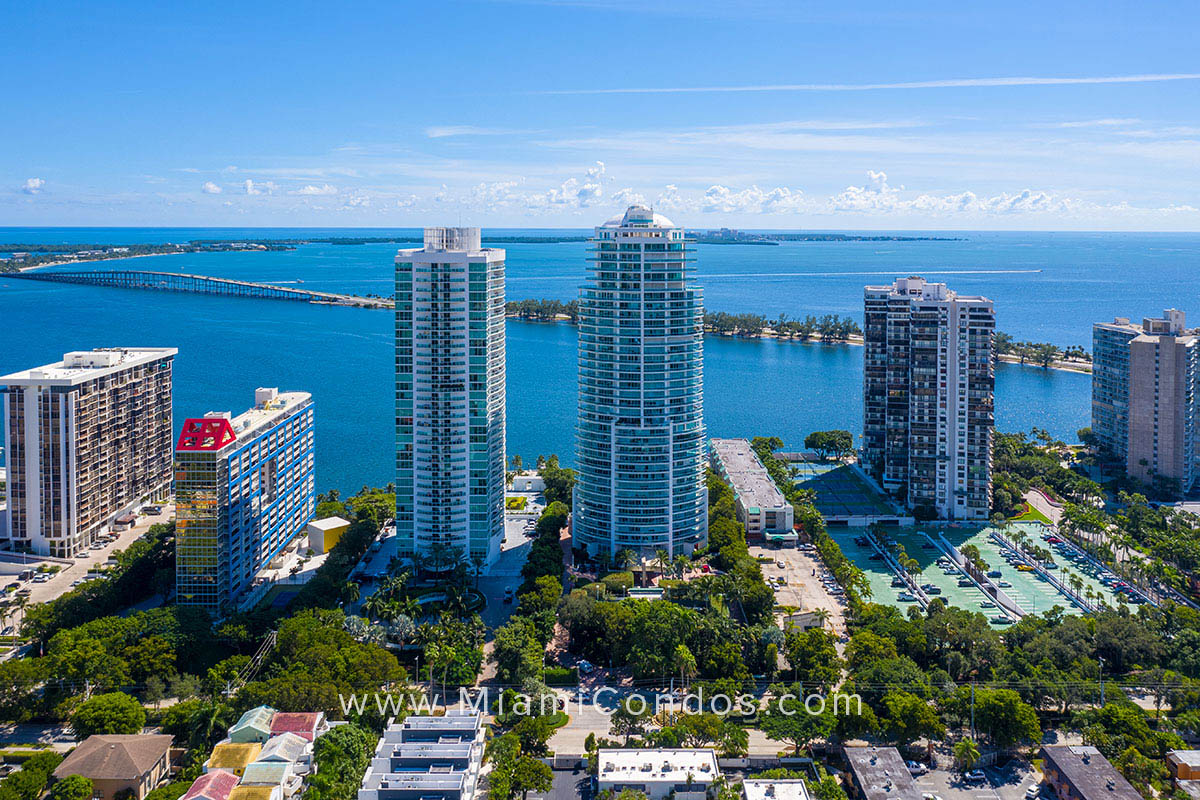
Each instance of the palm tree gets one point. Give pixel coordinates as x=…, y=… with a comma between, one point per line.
x=516, y=462
x=966, y=754
x=623, y=559
x=662, y=558
x=682, y=563
x=374, y=605
x=350, y=592
x=479, y=561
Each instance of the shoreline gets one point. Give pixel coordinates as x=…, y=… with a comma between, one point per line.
x=855, y=340
x=94, y=260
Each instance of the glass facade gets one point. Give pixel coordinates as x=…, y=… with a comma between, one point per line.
x=238, y=507
x=450, y=403
x=640, y=436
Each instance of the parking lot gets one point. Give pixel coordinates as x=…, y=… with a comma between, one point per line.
x=809, y=586
x=1006, y=782
x=61, y=581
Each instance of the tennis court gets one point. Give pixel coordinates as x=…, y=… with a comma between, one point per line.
x=841, y=492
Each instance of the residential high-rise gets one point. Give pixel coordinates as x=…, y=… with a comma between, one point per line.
x=89, y=439
x=243, y=491
x=640, y=439
x=1144, y=396
x=450, y=396
x=928, y=384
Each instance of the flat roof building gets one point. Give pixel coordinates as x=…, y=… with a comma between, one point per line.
x=879, y=773
x=450, y=395
x=685, y=774
x=1185, y=771
x=928, y=396
x=243, y=491
x=761, y=506
x=88, y=440
x=426, y=758
x=1146, y=396
x=783, y=789
x=1080, y=772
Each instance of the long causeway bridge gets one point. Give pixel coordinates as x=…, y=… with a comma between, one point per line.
x=196, y=284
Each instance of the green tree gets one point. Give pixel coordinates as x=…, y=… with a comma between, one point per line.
x=516, y=651
x=72, y=787
x=966, y=754
x=786, y=719
x=531, y=775
x=115, y=712
x=341, y=757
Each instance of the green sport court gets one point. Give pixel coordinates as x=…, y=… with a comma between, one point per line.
x=841, y=491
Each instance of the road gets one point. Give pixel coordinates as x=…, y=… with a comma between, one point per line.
x=503, y=575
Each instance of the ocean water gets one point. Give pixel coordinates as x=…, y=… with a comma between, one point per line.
x=1047, y=287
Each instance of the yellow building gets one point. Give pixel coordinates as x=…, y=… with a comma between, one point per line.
x=256, y=793
x=233, y=757
x=323, y=534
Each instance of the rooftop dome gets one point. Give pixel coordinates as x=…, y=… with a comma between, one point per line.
x=641, y=216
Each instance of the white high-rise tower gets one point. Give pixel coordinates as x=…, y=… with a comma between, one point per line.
x=450, y=396
x=640, y=447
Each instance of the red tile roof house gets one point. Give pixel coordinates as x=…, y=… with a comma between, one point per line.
x=309, y=724
x=214, y=785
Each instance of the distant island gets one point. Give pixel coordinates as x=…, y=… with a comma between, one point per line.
x=20, y=257
x=732, y=236
x=14, y=257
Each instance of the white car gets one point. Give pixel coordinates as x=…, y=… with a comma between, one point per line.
x=1033, y=792
x=916, y=768
x=975, y=776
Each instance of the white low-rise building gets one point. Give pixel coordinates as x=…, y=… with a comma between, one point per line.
x=783, y=789
x=659, y=772
x=761, y=506
x=427, y=758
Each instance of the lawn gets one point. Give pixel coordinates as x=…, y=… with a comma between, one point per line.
x=1030, y=514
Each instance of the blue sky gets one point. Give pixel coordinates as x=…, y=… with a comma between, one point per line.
x=919, y=115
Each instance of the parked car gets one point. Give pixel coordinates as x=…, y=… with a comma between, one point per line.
x=917, y=768
x=586, y=667
x=508, y=594
x=1033, y=792
x=975, y=776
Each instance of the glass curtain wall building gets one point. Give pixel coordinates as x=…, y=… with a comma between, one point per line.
x=244, y=491
x=640, y=437
x=450, y=408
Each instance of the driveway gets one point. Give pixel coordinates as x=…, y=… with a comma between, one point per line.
x=60, y=582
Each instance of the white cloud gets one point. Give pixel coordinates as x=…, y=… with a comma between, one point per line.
x=576, y=192
x=753, y=200
x=1106, y=122
x=444, y=131
x=948, y=83
x=250, y=187
x=628, y=197
x=316, y=191
x=32, y=185
x=210, y=188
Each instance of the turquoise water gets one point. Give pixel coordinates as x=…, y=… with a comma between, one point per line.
x=344, y=356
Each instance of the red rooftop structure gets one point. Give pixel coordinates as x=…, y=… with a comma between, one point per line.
x=206, y=433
